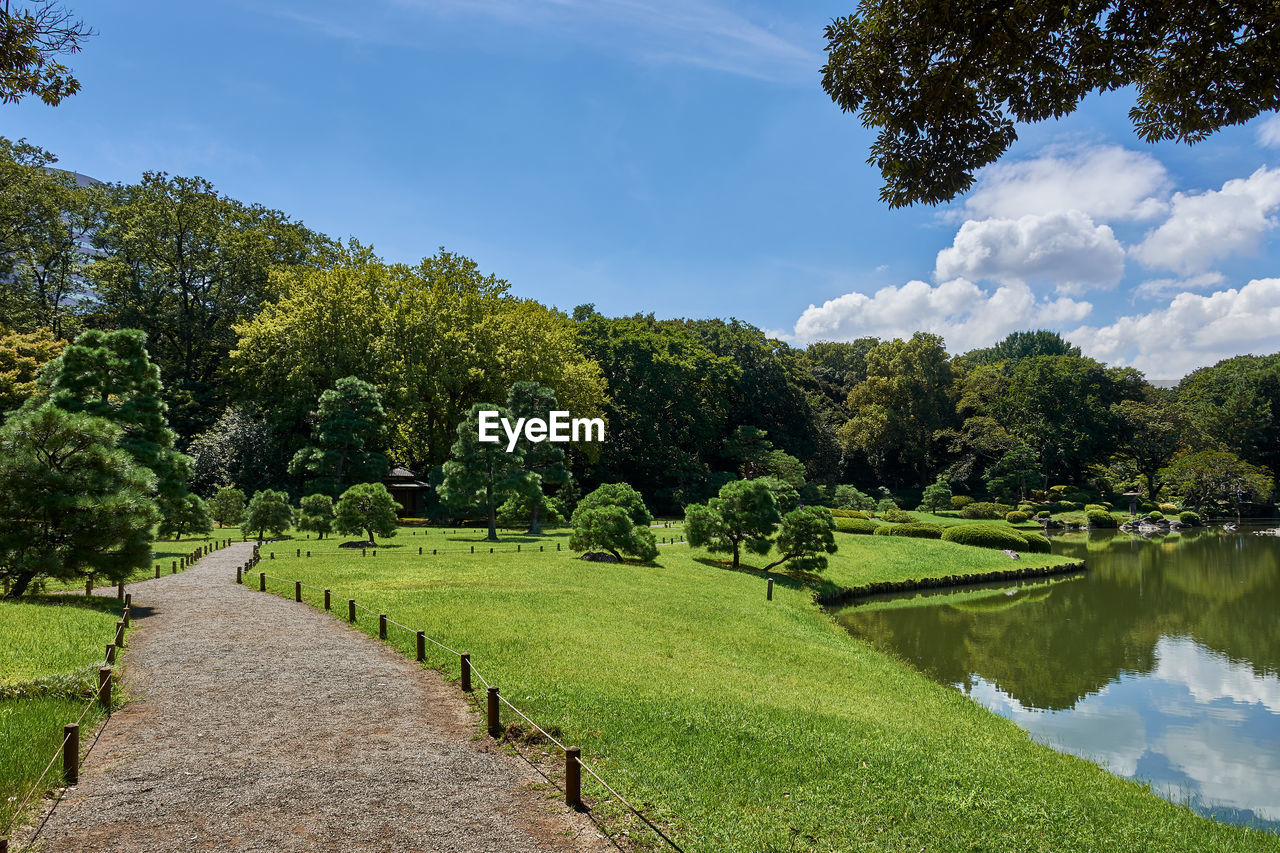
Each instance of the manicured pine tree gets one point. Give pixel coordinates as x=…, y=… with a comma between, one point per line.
x=483, y=472
x=269, y=511
x=742, y=515
x=541, y=458
x=614, y=518
x=368, y=508
x=348, y=439
x=227, y=506
x=315, y=513
x=72, y=502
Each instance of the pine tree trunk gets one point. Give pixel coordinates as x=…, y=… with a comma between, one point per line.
x=493, y=515
x=535, y=522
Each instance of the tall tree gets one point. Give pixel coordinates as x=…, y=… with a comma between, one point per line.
x=1215, y=475
x=1155, y=429
x=32, y=36
x=945, y=82
x=742, y=515
x=185, y=264
x=366, y=508
x=21, y=357
x=72, y=503
x=542, y=459
x=348, y=437
x=907, y=398
x=1019, y=345
x=110, y=375
x=1234, y=405
x=483, y=473
x=242, y=448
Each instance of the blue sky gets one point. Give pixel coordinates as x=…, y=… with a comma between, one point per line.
x=680, y=158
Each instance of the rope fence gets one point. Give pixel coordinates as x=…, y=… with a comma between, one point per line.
x=574, y=763
x=472, y=549
x=69, y=748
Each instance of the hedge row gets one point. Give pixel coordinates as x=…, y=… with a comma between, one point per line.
x=991, y=536
x=917, y=529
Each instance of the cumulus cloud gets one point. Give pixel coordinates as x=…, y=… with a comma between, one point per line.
x=1194, y=330
x=1106, y=182
x=1067, y=249
x=964, y=314
x=1157, y=287
x=1269, y=132
x=1214, y=224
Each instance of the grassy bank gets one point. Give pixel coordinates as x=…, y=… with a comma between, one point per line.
x=50, y=650
x=748, y=725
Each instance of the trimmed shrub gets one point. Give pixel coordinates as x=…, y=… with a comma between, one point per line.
x=854, y=525
x=985, y=536
x=960, y=501
x=917, y=529
x=1016, y=517
x=1044, y=513
x=1101, y=519
x=1190, y=518
x=981, y=509
x=885, y=504
x=1155, y=515
x=897, y=516
x=1036, y=543
x=1147, y=506
x=1094, y=508
x=1029, y=509
x=1169, y=509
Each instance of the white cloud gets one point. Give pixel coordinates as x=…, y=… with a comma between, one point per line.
x=1065, y=248
x=1269, y=132
x=965, y=315
x=1214, y=224
x=1194, y=330
x=1157, y=287
x=1106, y=182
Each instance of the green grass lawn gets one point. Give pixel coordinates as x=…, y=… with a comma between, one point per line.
x=743, y=724
x=50, y=651
x=163, y=553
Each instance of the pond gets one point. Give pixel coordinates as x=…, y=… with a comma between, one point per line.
x=1161, y=662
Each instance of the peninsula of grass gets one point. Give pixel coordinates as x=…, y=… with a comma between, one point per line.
x=739, y=723
x=50, y=651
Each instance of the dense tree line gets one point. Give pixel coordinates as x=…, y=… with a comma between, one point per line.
x=283, y=360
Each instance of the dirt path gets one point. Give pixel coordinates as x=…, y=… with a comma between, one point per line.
x=264, y=725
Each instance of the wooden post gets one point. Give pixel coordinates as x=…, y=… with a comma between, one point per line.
x=495, y=725
x=422, y=645
x=297, y=590
x=111, y=653
x=239, y=579
x=326, y=599
x=433, y=552
x=351, y=610
x=769, y=595
x=175, y=567
x=382, y=626
x=120, y=591
x=120, y=634
x=128, y=599
x=466, y=672
x=308, y=553
x=517, y=547
x=572, y=777
x=375, y=552
x=157, y=570
x=473, y=549
x=71, y=753
x=557, y=546
x=104, y=687
x=419, y=550
x=300, y=552
x=262, y=581
x=124, y=617
x=362, y=553
x=273, y=555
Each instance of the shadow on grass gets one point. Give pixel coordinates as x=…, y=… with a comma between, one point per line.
x=102, y=600
x=781, y=576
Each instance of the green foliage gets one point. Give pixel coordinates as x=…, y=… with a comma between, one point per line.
x=804, y=539
x=937, y=495
x=189, y=516
x=784, y=494
x=917, y=530
x=981, y=509
x=1155, y=515
x=348, y=438
x=1044, y=513
x=483, y=472
x=1011, y=477
x=946, y=98
x=73, y=503
x=610, y=520
x=518, y=510
x=849, y=513
x=1016, y=517
x=1095, y=508
x=1101, y=519
x=1233, y=407
x=1037, y=543
x=1212, y=475
x=1189, y=518
x=855, y=525
x=742, y=515
x=897, y=516
x=435, y=339
x=543, y=459
x=1017, y=346
x=227, y=506
x=21, y=357
x=960, y=501
x=110, y=375
x=907, y=397
x=849, y=497
x=1153, y=431
x=239, y=448
x=268, y=512
x=316, y=513
x=986, y=536
x=34, y=36
x=367, y=508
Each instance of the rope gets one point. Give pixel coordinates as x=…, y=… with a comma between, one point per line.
x=13, y=820
x=587, y=767
x=545, y=733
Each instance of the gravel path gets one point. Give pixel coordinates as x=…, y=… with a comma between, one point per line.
x=264, y=725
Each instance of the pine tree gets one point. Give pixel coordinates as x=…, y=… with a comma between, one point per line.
x=542, y=458
x=348, y=439
x=482, y=472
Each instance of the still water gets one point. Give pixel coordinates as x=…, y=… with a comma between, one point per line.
x=1161, y=662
